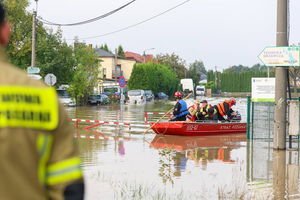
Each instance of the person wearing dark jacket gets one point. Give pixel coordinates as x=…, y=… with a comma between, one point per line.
x=180, y=109
x=224, y=109
x=206, y=111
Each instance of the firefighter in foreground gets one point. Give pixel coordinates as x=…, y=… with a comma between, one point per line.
x=225, y=109
x=38, y=157
x=180, y=109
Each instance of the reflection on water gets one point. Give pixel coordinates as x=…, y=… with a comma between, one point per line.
x=176, y=151
x=123, y=163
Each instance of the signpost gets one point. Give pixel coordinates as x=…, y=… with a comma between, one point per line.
x=33, y=70
x=122, y=84
x=122, y=81
x=281, y=56
x=50, y=79
x=35, y=76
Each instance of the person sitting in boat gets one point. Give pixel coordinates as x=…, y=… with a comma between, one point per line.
x=195, y=108
x=225, y=109
x=180, y=109
x=206, y=112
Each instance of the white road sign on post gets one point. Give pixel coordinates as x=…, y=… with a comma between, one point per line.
x=263, y=89
x=33, y=70
x=50, y=79
x=281, y=56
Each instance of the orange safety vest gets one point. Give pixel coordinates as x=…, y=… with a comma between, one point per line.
x=221, y=107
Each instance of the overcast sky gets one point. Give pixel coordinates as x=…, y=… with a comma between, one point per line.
x=219, y=32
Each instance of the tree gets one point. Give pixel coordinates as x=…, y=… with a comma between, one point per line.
x=196, y=72
x=105, y=48
x=121, y=51
x=153, y=76
x=76, y=66
x=56, y=57
x=237, y=68
x=176, y=63
x=86, y=73
x=19, y=47
x=259, y=67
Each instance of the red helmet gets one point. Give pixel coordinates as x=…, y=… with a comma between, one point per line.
x=232, y=101
x=177, y=94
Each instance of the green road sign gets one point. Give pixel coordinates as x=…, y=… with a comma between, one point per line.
x=281, y=56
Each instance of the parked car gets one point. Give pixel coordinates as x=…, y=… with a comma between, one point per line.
x=64, y=96
x=98, y=99
x=149, y=95
x=200, y=90
x=161, y=96
x=136, y=96
x=94, y=99
x=104, y=99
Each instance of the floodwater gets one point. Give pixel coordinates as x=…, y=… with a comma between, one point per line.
x=121, y=162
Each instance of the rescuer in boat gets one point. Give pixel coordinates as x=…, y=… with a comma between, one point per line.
x=39, y=159
x=206, y=111
x=193, y=110
x=225, y=109
x=180, y=109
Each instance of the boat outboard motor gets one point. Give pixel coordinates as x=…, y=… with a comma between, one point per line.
x=236, y=118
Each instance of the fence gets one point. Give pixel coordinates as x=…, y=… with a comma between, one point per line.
x=260, y=119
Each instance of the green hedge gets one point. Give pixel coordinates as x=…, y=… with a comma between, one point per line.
x=238, y=81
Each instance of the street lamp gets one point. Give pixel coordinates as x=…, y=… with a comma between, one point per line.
x=145, y=53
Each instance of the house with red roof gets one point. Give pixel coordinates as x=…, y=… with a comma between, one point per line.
x=139, y=58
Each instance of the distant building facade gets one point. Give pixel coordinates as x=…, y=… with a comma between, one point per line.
x=112, y=67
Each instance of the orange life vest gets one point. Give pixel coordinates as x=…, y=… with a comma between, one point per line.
x=221, y=107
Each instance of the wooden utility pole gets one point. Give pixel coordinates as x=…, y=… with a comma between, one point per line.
x=281, y=79
x=33, y=53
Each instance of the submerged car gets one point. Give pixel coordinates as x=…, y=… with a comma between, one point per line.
x=65, y=97
x=136, y=96
x=161, y=96
x=149, y=95
x=98, y=99
x=94, y=99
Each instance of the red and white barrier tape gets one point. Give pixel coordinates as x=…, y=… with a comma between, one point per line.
x=155, y=113
x=95, y=137
x=100, y=122
x=146, y=114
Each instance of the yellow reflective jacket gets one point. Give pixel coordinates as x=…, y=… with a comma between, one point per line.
x=38, y=155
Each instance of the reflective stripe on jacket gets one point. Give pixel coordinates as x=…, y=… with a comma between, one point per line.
x=207, y=109
x=39, y=157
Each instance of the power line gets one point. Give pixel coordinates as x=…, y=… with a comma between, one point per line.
x=131, y=26
x=89, y=20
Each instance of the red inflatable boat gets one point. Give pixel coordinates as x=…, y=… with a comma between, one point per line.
x=198, y=128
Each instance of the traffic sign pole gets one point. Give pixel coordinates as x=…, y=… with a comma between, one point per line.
x=122, y=83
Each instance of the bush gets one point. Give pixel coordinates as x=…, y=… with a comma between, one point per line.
x=155, y=77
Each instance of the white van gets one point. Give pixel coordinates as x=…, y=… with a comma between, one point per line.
x=200, y=90
x=136, y=96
